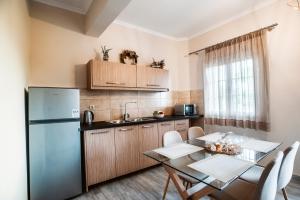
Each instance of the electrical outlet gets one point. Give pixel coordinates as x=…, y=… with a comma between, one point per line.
x=92, y=107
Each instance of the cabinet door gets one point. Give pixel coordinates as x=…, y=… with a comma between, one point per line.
x=148, y=140
x=162, y=78
x=182, y=127
x=127, y=149
x=149, y=77
x=164, y=127
x=109, y=74
x=99, y=155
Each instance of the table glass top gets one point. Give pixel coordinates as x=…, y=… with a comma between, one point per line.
x=181, y=164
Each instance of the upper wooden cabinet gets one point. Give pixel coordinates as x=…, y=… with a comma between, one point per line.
x=110, y=75
x=117, y=76
x=149, y=77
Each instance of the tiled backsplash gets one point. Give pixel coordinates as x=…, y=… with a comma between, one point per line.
x=109, y=105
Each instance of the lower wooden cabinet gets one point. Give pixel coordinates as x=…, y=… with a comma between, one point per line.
x=127, y=149
x=182, y=126
x=99, y=155
x=148, y=140
x=164, y=127
x=118, y=151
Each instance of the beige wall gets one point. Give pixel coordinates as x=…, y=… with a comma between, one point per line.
x=59, y=55
x=14, y=56
x=284, y=48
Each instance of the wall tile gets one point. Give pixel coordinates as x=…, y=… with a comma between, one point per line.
x=87, y=94
x=149, y=103
x=109, y=105
x=168, y=95
x=120, y=103
x=102, y=115
x=123, y=95
x=148, y=95
x=118, y=113
x=100, y=104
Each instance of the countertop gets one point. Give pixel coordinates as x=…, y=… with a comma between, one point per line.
x=105, y=124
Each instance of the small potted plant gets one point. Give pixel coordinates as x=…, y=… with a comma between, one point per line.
x=105, y=52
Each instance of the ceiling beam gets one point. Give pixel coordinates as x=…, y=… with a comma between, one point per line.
x=101, y=14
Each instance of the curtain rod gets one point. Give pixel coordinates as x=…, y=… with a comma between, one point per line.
x=271, y=27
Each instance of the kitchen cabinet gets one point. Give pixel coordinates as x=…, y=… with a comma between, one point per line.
x=164, y=127
x=149, y=77
x=110, y=75
x=148, y=140
x=99, y=155
x=113, y=152
x=127, y=149
x=182, y=127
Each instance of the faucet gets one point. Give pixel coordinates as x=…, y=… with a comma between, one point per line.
x=126, y=115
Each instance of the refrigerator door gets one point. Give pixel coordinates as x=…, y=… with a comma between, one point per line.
x=53, y=103
x=54, y=161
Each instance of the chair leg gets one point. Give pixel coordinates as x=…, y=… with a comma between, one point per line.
x=285, y=194
x=166, y=188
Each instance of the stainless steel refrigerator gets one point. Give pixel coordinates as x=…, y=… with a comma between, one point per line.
x=54, y=143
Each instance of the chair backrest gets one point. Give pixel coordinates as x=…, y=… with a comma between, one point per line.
x=287, y=166
x=267, y=184
x=195, y=132
x=171, y=137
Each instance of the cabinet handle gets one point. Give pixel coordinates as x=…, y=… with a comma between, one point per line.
x=147, y=126
x=100, y=132
x=115, y=83
x=125, y=129
x=155, y=85
x=166, y=124
x=180, y=124
x=181, y=130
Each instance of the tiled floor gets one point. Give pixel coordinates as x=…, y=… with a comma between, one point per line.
x=149, y=184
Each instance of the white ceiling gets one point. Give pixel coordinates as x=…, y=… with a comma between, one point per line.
x=181, y=19
x=78, y=6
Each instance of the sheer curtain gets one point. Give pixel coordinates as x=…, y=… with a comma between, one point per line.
x=236, y=91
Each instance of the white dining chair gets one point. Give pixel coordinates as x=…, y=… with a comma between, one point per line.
x=265, y=189
x=285, y=173
x=195, y=132
x=170, y=138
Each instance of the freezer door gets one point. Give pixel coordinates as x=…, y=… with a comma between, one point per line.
x=53, y=103
x=54, y=161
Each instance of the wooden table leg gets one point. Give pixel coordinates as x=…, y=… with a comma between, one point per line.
x=166, y=188
x=195, y=192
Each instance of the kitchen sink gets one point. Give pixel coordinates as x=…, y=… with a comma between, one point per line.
x=117, y=122
x=140, y=119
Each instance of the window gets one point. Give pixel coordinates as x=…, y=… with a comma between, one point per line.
x=231, y=89
x=236, y=89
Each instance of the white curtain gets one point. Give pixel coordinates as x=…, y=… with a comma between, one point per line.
x=236, y=87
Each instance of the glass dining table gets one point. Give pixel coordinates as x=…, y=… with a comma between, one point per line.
x=181, y=164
